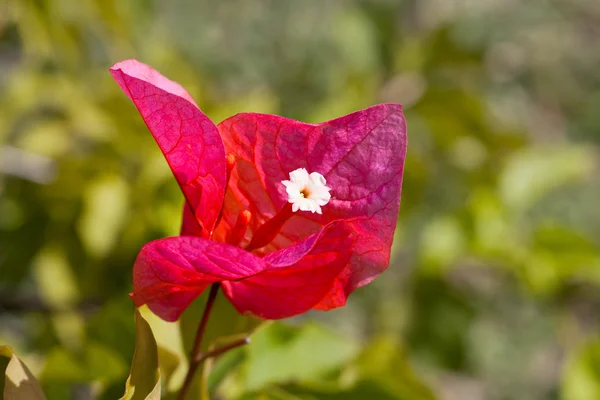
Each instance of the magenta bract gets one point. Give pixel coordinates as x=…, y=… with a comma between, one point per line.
x=238, y=227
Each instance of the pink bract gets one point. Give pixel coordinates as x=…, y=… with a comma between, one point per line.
x=313, y=261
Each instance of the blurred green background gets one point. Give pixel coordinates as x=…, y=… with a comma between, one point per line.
x=493, y=291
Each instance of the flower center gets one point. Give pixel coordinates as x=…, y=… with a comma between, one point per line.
x=307, y=192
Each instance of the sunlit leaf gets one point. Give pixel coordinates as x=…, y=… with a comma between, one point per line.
x=55, y=278
x=171, y=356
x=104, y=214
x=18, y=382
x=492, y=228
x=58, y=288
x=442, y=243
x=144, y=380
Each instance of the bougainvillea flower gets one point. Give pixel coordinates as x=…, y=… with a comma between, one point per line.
x=287, y=216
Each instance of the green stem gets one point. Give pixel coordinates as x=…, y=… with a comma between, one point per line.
x=224, y=349
x=196, y=356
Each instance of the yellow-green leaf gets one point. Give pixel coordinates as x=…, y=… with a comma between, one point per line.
x=144, y=380
x=581, y=376
x=172, y=359
x=18, y=382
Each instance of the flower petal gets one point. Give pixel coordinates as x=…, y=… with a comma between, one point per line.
x=188, y=139
x=189, y=223
x=170, y=273
x=298, y=277
x=361, y=156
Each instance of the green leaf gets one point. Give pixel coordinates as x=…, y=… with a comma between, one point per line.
x=314, y=350
x=275, y=393
x=172, y=359
x=559, y=254
x=532, y=173
x=168, y=363
x=144, y=379
x=18, y=382
x=581, y=380
x=384, y=362
x=380, y=372
x=362, y=390
x=106, y=202
x=95, y=362
x=57, y=286
x=223, y=367
x=442, y=243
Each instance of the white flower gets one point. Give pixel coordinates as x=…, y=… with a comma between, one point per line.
x=307, y=192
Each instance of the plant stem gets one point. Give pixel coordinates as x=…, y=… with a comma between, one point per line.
x=217, y=352
x=195, y=356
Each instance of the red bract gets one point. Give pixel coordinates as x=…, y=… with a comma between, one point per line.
x=238, y=227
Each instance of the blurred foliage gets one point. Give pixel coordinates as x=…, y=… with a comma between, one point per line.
x=493, y=292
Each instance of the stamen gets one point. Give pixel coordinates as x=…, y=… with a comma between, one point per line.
x=267, y=231
x=229, y=163
x=235, y=236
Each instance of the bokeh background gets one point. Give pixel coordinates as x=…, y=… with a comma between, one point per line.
x=494, y=288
